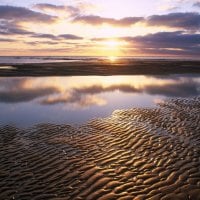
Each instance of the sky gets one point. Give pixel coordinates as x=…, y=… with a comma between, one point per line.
x=100, y=28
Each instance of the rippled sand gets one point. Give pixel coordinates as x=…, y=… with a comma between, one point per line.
x=138, y=154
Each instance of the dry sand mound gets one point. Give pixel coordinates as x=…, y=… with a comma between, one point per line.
x=135, y=154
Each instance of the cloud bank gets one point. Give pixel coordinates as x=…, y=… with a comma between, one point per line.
x=177, y=43
x=97, y=20
x=24, y=14
x=20, y=90
x=188, y=20
x=180, y=35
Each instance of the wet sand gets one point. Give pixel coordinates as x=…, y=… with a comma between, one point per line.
x=136, y=154
x=102, y=68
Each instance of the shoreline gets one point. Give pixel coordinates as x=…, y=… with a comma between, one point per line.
x=101, y=68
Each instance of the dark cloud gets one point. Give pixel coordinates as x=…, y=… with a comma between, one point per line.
x=75, y=99
x=180, y=89
x=35, y=43
x=197, y=4
x=56, y=8
x=167, y=40
x=24, y=95
x=97, y=20
x=14, y=91
x=14, y=31
x=86, y=95
x=58, y=37
x=7, y=40
x=94, y=89
x=72, y=97
x=70, y=37
x=177, y=43
x=46, y=36
x=186, y=53
x=66, y=49
x=162, y=43
x=24, y=14
x=189, y=21
x=11, y=84
x=11, y=28
x=174, y=89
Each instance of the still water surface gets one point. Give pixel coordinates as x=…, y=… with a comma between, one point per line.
x=26, y=101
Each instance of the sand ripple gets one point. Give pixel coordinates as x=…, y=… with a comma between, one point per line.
x=136, y=154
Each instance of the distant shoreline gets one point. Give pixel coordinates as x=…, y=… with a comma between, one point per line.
x=101, y=68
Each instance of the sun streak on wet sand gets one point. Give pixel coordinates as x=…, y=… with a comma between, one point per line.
x=7, y=67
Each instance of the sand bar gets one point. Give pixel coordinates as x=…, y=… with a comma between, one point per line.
x=120, y=67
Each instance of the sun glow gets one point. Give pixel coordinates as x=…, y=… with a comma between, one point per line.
x=112, y=43
x=112, y=49
x=112, y=58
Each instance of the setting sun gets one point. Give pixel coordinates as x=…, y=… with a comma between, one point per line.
x=112, y=43
x=111, y=48
x=112, y=58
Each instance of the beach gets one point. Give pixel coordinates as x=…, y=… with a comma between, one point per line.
x=104, y=67
x=135, y=154
x=100, y=100
x=148, y=148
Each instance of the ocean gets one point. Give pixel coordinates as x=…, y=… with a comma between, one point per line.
x=57, y=59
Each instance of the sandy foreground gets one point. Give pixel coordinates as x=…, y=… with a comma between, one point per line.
x=138, y=154
x=102, y=68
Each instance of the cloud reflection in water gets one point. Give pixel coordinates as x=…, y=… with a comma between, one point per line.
x=75, y=99
x=61, y=90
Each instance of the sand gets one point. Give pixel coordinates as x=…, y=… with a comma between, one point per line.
x=102, y=68
x=136, y=154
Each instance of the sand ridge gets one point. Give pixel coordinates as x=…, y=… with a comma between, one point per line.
x=136, y=154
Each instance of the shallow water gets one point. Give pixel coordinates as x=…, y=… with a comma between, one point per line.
x=27, y=101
